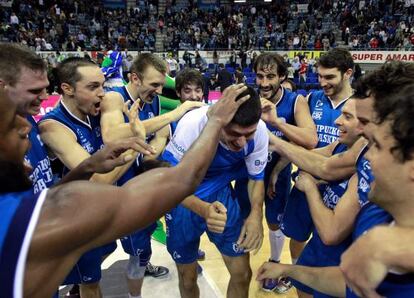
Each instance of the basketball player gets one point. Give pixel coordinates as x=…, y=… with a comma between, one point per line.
x=147, y=77
x=37, y=254
x=292, y=121
x=242, y=151
x=392, y=149
x=334, y=69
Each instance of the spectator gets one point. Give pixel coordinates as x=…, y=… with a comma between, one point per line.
x=224, y=78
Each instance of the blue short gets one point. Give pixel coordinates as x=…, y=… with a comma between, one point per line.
x=297, y=221
x=139, y=244
x=317, y=254
x=274, y=207
x=185, y=227
x=88, y=269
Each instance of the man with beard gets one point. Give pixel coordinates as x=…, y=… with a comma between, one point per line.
x=292, y=122
x=40, y=241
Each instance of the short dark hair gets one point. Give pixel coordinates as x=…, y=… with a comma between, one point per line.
x=144, y=60
x=14, y=57
x=269, y=60
x=402, y=124
x=189, y=76
x=337, y=57
x=249, y=112
x=67, y=71
x=384, y=82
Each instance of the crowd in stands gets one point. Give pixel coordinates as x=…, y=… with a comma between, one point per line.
x=78, y=25
x=378, y=25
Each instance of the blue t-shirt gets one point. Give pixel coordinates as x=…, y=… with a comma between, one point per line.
x=365, y=177
x=41, y=176
x=227, y=165
x=19, y=213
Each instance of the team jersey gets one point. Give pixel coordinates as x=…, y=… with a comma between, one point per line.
x=331, y=193
x=285, y=109
x=19, y=214
x=41, y=175
x=88, y=134
x=324, y=113
x=365, y=177
x=147, y=111
x=227, y=165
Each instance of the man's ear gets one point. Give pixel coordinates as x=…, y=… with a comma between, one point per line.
x=67, y=89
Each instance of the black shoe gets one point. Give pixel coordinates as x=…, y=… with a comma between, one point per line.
x=156, y=271
x=74, y=292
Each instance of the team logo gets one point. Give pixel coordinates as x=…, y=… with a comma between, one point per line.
x=363, y=185
x=236, y=248
x=317, y=115
x=176, y=255
x=139, y=251
x=168, y=216
x=344, y=184
x=258, y=163
x=319, y=104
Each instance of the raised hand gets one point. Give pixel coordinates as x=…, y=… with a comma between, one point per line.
x=137, y=127
x=112, y=155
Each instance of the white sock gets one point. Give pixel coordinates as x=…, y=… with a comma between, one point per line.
x=130, y=296
x=276, y=238
x=294, y=261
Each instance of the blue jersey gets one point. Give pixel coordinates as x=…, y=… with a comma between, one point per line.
x=285, y=109
x=227, y=165
x=324, y=113
x=365, y=177
x=147, y=111
x=88, y=134
x=394, y=285
x=19, y=213
x=41, y=176
x=331, y=194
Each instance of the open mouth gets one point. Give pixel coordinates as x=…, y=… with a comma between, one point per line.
x=97, y=105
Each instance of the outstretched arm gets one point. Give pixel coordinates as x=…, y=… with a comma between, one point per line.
x=336, y=167
x=104, y=213
x=328, y=280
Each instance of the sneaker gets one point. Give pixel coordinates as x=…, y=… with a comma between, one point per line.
x=156, y=271
x=199, y=269
x=284, y=284
x=269, y=284
x=201, y=255
x=74, y=292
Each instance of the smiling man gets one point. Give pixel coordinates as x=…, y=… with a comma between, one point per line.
x=293, y=122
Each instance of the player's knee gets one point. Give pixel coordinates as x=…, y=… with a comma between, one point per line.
x=187, y=277
x=134, y=269
x=241, y=276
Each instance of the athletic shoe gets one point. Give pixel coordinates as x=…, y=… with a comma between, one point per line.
x=284, y=284
x=74, y=292
x=156, y=271
x=201, y=255
x=269, y=284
